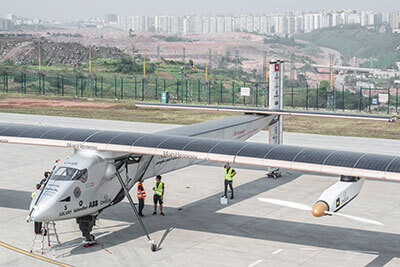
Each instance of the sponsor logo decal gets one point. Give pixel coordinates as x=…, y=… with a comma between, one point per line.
x=81, y=146
x=80, y=209
x=106, y=200
x=93, y=204
x=64, y=213
x=70, y=163
x=80, y=203
x=337, y=202
x=91, y=184
x=77, y=192
x=178, y=155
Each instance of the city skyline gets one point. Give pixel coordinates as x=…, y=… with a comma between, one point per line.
x=280, y=23
x=75, y=10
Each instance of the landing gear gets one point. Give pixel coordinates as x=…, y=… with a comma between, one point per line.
x=86, y=224
x=274, y=173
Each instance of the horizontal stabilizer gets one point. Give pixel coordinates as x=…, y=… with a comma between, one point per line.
x=264, y=111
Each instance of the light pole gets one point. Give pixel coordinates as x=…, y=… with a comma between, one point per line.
x=182, y=84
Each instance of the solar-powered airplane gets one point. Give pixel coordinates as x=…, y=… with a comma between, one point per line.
x=107, y=164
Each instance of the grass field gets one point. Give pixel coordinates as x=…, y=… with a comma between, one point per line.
x=125, y=110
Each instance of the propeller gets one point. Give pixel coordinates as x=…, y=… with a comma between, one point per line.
x=299, y=206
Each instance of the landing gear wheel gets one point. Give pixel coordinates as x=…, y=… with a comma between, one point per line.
x=274, y=174
x=91, y=241
x=153, y=247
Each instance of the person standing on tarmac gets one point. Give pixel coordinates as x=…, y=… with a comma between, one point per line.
x=159, y=190
x=141, y=195
x=229, y=174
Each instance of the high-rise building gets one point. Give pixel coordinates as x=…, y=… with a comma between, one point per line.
x=394, y=20
x=256, y=23
x=367, y=18
x=161, y=24
x=298, y=24
x=123, y=23
x=353, y=18
x=176, y=25
x=11, y=17
x=265, y=25
x=5, y=24
x=228, y=23
x=206, y=25
x=213, y=24
x=220, y=24
x=326, y=20
x=308, y=23
x=250, y=23
x=317, y=21
x=111, y=20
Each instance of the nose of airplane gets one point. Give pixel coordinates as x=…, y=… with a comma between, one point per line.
x=46, y=208
x=43, y=212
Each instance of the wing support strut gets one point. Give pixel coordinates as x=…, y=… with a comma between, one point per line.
x=151, y=241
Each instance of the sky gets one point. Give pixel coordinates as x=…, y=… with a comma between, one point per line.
x=63, y=10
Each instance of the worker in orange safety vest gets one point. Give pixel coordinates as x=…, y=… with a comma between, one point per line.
x=141, y=195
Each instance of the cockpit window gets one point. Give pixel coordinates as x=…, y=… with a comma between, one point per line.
x=69, y=174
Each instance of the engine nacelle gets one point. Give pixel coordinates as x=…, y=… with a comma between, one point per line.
x=338, y=195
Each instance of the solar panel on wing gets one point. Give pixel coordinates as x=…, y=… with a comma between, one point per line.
x=153, y=140
x=312, y=155
x=286, y=153
x=228, y=147
x=79, y=135
x=343, y=159
x=176, y=142
x=126, y=139
x=256, y=150
x=103, y=137
x=372, y=162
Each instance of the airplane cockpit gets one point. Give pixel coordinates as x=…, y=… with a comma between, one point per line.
x=69, y=174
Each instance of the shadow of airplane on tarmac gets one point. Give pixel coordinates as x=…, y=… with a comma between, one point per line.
x=188, y=217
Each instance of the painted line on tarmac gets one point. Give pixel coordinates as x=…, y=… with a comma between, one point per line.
x=254, y=263
x=26, y=253
x=277, y=251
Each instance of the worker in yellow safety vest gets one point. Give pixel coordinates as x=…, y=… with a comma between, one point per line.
x=141, y=195
x=159, y=190
x=229, y=174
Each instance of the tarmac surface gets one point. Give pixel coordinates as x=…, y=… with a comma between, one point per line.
x=197, y=230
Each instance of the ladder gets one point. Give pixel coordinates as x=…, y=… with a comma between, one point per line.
x=48, y=229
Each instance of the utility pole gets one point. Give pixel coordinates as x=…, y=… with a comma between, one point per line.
x=207, y=67
x=144, y=64
x=329, y=92
x=40, y=59
x=90, y=59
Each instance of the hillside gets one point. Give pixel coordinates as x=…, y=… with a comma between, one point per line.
x=382, y=48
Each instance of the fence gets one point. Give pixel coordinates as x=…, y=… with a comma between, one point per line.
x=196, y=91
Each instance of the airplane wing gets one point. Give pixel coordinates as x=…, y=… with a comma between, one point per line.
x=250, y=153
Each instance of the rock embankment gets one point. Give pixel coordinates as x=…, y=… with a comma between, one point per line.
x=25, y=51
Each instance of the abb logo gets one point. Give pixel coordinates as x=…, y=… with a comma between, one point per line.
x=276, y=67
